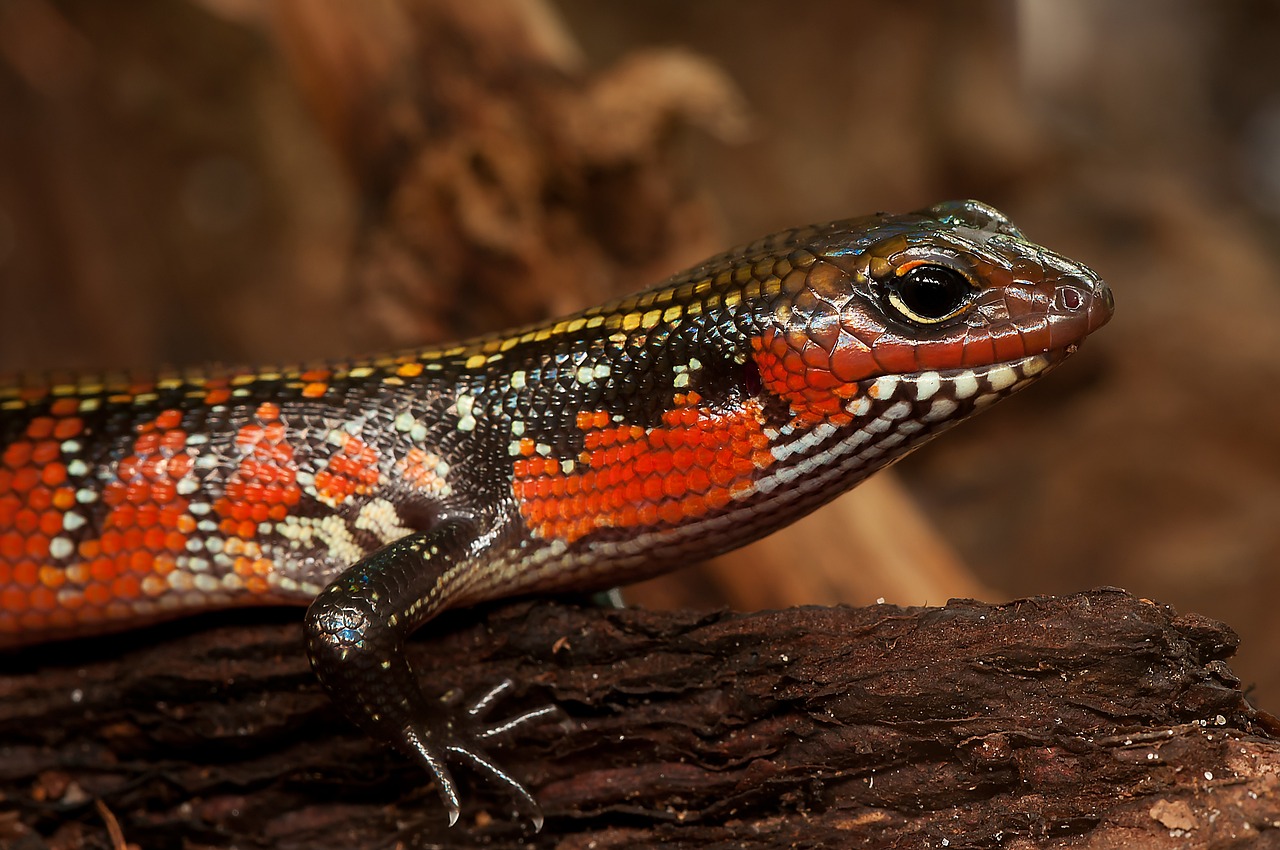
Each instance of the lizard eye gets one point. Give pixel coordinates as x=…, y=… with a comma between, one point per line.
x=928, y=293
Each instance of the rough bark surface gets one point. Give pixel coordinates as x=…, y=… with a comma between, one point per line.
x=1097, y=720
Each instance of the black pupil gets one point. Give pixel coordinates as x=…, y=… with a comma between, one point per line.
x=933, y=292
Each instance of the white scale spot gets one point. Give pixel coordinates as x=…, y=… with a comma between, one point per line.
x=927, y=385
x=941, y=409
x=187, y=485
x=518, y=380
x=860, y=406
x=464, y=408
x=1002, y=377
x=965, y=385
x=404, y=421
x=1035, y=366
x=77, y=468
x=897, y=411
x=884, y=386
x=72, y=521
x=206, y=582
x=61, y=547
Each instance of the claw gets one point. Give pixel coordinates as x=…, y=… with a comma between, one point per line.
x=524, y=800
x=504, y=729
x=440, y=771
x=489, y=699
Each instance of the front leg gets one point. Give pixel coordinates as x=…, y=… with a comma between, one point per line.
x=356, y=630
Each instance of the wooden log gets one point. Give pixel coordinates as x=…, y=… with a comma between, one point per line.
x=1097, y=719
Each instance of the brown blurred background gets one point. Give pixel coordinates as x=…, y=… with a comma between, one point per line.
x=244, y=180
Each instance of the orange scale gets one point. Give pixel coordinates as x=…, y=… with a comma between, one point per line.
x=64, y=498
x=70, y=599
x=717, y=498
x=175, y=541
x=6, y=480
x=173, y=440
x=26, y=573
x=24, y=479
x=40, y=498
x=45, y=451
x=80, y=573
x=180, y=466
x=64, y=406
x=653, y=489
x=40, y=428
x=11, y=545
x=176, y=517
x=698, y=480
x=662, y=462
x=95, y=593
x=133, y=538
x=61, y=619
x=141, y=561
x=671, y=512
x=43, y=599
x=257, y=584
x=246, y=529
x=103, y=569
x=9, y=507
x=647, y=514
x=33, y=621
x=163, y=564
x=260, y=512
x=90, y=614
x=89, y=549
x=694, y=507
x=52, y=576
x=673, y=486
x=26, y=521
x=37, y=546
x=146, y=444
x=277, y=512
x=154, y=539
x=14, y=601
x=50, y=523
x=126, y=587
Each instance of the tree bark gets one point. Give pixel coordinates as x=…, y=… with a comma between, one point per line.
x=1090, y=720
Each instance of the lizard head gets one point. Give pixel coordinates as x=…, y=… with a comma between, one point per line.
x=908, y=323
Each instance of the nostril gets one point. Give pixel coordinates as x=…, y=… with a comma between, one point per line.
x=1070, y=298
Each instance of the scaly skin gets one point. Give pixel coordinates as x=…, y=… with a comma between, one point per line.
x=613, y=445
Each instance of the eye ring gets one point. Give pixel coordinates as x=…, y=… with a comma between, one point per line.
x=929, y=293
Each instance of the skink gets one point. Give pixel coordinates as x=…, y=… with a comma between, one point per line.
x=601, y=448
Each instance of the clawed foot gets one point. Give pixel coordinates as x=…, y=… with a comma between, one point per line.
x=460, y=739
